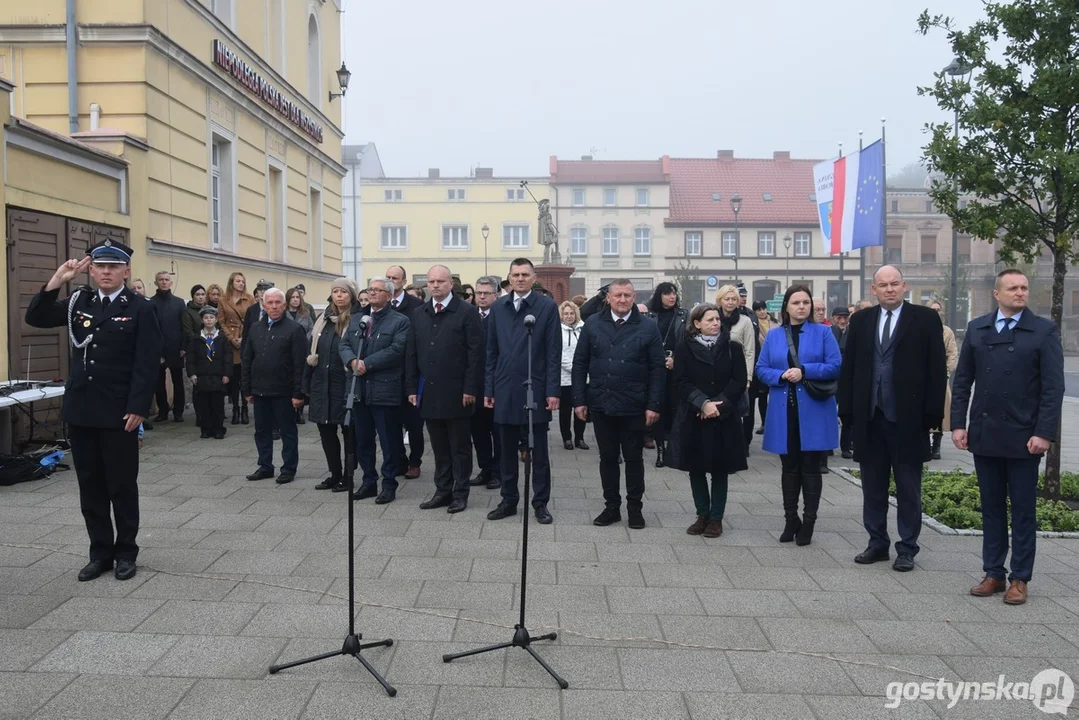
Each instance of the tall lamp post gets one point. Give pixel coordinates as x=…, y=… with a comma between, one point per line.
x=485, y=231
x=787, y=245
x=736, y=207
x=955, y=69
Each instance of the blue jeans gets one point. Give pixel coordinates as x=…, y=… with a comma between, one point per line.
x=383, y=422
x=276, y=412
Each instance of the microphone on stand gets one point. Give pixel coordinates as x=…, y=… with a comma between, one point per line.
x=364, y=322
x=530, y=322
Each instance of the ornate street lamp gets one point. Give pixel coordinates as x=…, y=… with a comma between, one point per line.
x=485, y=231
x=343, y=76
x=736, y=207
x=787, y=245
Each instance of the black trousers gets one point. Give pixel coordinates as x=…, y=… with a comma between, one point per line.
x=486, y=441
x=566, y=417
x=233, y=388
x=413, y=424
x=845, y=437
x=176, y=370
x=209, y=410
x=762, y=403
x=880, y=461
x=272, y=413
x=107, y=466
x=748, y=418
x=620, y=434
x=510, y=438
x=453, y=456
x=331, y=446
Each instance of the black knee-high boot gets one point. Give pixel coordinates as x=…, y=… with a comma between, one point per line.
x=811, y=491
x=791, y=483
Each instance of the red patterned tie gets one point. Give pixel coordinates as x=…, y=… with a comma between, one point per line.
x=438, y=308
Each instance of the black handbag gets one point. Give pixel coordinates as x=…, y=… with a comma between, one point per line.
x=817, y=389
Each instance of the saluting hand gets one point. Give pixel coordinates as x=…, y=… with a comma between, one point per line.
x=67, y=272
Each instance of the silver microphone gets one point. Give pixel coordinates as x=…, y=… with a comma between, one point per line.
x=530, y=321
x=365, y=321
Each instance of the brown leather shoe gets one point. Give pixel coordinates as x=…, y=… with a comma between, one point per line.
x=698, y=525
x=713, y=529
x=987, y=587
x=1016, y=594
x=412, y=473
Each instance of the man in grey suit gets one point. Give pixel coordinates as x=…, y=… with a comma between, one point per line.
x=1016, y=360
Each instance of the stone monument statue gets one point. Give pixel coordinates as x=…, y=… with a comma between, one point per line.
x=548, y=234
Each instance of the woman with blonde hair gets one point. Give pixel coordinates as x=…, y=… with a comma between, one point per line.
x=234, y=305
x=324, y=378
x=740, y=328
x=570, y=328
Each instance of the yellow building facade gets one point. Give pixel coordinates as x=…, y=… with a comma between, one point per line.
x=229, y=103
x=418, y=222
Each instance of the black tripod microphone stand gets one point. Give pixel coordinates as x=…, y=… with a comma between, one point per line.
x=521, y=638
x=352, y=645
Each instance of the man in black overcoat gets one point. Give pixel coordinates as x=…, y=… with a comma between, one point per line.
x=116, y=351
x=170, y=316
x=891, y=391
x=1015, y=361
x=409, y=416
x=444, y=368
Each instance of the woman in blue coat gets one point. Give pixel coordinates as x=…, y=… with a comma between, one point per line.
x=809, y=427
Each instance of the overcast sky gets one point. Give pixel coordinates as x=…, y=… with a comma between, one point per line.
x=506, y=84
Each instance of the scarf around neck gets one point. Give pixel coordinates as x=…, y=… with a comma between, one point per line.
x=707, y=340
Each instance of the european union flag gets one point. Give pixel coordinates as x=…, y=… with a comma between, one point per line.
x=869, y=204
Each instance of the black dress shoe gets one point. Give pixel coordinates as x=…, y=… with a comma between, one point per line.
x=609, y=516
x=285, y=478
x=504, y=510
x=219, y=435
x=760, y=430
x=543, y=517
x=204, y=435
x=848, y=455
x=260, y=475
x=904, y=562
x=581, y=445
x=94, y=569
x=568, y=444
x=456, y=506
x=494, y=483
x=367, y=491
x=328, y=483
x=125, y=569
x=480, y=479
x=385, y=497
x=178, y=418
x=636, y=518
x=870, y=556
x=147, y=424
x=161, y=417
x=436, y=502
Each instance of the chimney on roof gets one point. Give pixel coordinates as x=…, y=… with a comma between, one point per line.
x=586, y=157
x=485, y=172
x=433, y=173
x=781, y=155
x=725, y=154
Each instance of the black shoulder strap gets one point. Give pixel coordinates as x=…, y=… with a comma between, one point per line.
x=793, y=350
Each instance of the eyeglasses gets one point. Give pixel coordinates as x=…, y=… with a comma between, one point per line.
x=376, y=290
x=469, y=296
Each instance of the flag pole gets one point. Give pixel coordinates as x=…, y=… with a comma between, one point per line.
x=884, y=190
x=861, y=251
x=842, y=256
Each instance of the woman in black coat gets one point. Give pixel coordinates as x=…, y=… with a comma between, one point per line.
x=706, y=436
x=325, y=378
x=671, y=319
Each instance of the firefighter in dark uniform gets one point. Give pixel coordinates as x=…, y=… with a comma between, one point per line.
x=116, y=349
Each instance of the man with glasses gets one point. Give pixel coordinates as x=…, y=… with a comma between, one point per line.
x=484, y=437
x=380, y=390
x=409, y=416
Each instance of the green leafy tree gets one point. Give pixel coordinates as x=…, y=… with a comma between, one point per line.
x=1016, y=156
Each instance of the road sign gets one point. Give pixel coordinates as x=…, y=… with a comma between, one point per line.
x=774, y=306
x=778, y=297
x=712, y=281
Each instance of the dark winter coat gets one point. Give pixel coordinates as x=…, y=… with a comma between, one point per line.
x=209, y=371
x=446, y=351
x=383, y=354
x=326, y=383
x=170, y=313
x=702, y=374
x=619, y=370
x=507, y=357
x=274, y=359
x=190, y=322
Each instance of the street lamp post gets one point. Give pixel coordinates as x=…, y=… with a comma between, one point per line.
x=955, y=69
x=736, y=207
x=787, y=245
x=485, y=231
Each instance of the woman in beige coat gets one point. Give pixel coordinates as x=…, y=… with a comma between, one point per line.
x=741, y=329
x=234, y=304
x=951, y=351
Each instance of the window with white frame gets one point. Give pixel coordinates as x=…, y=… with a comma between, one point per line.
x=455, y=237
x=578, y=197
x=642, y=241
x=801, y=244
x=693, y=243
x=394, y=237
x=513, y=194
x=455, y=194
x=222, y=193
x=393, y=195
x=578, y=241
x=314, y=62
x=610, y=241
x=730, y=244
x=642, y=197
x=766, y=244
x=514, y=236
x=610, y=197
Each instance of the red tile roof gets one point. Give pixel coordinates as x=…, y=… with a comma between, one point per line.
x=568, y=172
x=790, y=183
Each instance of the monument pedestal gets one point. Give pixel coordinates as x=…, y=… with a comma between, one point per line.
x=556, y=279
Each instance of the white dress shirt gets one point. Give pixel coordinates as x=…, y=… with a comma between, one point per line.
x=517, y=299
x=445, y=302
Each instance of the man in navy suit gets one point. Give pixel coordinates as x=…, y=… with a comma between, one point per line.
x=410, y=418
x=1016, y=360
x=504, y=390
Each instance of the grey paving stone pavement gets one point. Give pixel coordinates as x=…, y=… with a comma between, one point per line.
x=652, y=623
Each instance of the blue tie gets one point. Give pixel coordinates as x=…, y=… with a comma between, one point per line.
x=209, y=347
x=1007, y=324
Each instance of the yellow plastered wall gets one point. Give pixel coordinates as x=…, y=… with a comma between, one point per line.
x=52, y=178
x=5, y=117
